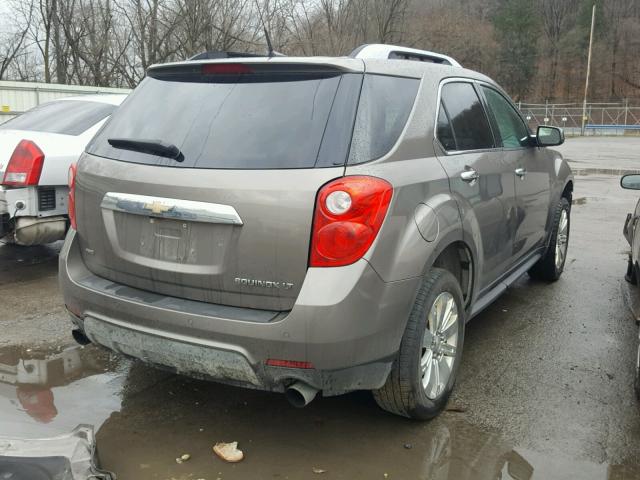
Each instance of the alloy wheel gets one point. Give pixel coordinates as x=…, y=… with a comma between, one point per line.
x=439, y=345
x=562, y=239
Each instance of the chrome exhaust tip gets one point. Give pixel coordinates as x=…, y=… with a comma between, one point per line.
x=300, y=394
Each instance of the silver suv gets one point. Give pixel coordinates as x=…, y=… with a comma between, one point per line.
x=311, y=224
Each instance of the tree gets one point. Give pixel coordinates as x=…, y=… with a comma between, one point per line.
x=516, y=25
x=558, y=18
x=536, y=50
x=12, y=44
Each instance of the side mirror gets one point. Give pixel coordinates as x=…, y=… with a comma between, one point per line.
x=549, y=136
x=631, y=182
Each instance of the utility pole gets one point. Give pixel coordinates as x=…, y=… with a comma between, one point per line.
x=586, y=83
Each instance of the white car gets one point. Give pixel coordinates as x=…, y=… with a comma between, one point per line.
x=36, y=151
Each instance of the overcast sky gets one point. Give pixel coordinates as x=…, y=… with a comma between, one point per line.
x=5, y=10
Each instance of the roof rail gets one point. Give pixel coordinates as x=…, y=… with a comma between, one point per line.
x=383, y=51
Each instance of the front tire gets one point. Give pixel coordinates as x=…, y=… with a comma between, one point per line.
x=425, y=369
x=551, y=265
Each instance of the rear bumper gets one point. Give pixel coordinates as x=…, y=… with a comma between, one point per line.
x=346, y=322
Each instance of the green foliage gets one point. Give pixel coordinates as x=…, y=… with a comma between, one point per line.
x=584, y=17
x=517, y=27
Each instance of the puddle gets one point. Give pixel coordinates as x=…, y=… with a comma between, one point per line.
x=50, y=391
x=145, y=418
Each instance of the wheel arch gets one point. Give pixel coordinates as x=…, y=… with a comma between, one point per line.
x=567, y=191
x=457, y=257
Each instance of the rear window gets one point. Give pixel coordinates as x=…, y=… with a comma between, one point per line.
x=262, y=121
x=265, y=122
x=68, y=117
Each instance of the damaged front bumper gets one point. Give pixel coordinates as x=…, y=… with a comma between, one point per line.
x=66, y=457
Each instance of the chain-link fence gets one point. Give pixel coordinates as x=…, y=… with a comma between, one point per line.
x=600, y=118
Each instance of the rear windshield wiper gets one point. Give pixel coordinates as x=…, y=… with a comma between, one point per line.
x=153, y=147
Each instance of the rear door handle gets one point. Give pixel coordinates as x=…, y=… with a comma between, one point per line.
x=521, y=172
x=469, y=175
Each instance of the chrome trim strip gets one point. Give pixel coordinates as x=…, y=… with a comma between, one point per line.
x=172, y=208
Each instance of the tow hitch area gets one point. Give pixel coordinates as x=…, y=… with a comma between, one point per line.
x=66, y=457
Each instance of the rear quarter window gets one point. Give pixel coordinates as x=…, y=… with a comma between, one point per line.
x=67, y=117
x=385, y=105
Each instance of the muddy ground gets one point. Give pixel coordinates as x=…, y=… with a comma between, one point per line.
x=545, y=389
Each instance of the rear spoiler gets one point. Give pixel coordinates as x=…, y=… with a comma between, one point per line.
x=253, y=67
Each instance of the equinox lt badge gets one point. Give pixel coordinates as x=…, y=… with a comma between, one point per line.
x=250, y=282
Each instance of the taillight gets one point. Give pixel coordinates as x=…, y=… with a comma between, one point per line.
x=225, y=69
x=25, y=165
x=348, y=216
x=72, y=196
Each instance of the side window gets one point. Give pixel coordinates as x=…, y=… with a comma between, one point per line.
x=445, y=132
x=512, y=129
x=469, y=122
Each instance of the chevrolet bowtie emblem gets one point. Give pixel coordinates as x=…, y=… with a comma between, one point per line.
x=157, y=207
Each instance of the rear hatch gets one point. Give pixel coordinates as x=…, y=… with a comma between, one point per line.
x=202, y=185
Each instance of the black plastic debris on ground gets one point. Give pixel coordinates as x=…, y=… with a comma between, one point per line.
x=65, y=457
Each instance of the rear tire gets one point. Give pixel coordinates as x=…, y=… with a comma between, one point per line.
x=431, y=342
x=551, y=265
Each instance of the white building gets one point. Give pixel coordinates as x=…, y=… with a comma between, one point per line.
x=18, y=97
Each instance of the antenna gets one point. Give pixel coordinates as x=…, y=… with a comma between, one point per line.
x=271, y=51
x=269, y=46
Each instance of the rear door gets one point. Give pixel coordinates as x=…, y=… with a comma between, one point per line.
x=533, y=173
x=480, y=177
x=228, y=220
